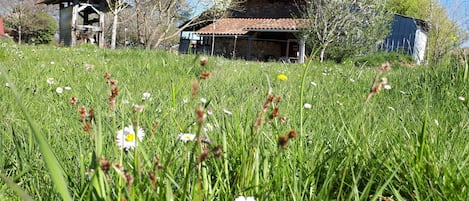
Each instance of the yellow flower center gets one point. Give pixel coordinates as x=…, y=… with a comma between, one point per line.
x=130, y=137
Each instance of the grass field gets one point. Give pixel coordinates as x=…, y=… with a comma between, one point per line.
x=276, y=131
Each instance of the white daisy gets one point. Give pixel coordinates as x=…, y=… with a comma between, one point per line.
x=185, y=100
x=461, y=98
x=126, y=138
x=68, y=88
x=436, y=122
x=7, y=85
x=186, y=137
x=203, y=100
x=146, y=96
x=387, y=86
x=242, y=198
x=208, y=127
x=59, y=90
x=307, y=106
x=50, y=81
x=314, y=84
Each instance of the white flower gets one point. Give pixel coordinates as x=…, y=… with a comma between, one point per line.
x=352, y=80
x=209, y=112
x=126, y=138
x=461, y=98
x=7, y=85
x=186, y=137
x=50, y=81
x=125, y=102
x=146, y=95
x=59, y=90
x=227, y=112
x=307, y=106
x=387, y=86
x=52, y=62
x=203, y=100
x=242, y=198
x=185, y=100
x=208, y=127
x=68, y=88
x=436, y=122
x=314, y=84
x=391, y=108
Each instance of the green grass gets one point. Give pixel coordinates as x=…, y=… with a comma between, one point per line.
x=406, y=143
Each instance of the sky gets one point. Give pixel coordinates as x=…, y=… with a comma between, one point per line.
x=458, y=10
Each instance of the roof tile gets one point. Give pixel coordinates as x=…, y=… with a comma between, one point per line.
x=240, y=26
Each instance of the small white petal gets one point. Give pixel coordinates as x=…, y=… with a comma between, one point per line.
x=59, y=90
x=68, y=88
x=314, y=84
x=227, y=112
x=50, y=81
x=436, y=122
x=250, y=199
x=391, y=108
x=307, y=106
x=203, y=100
x=146, y=95
x=387, y=86
x=461, y=98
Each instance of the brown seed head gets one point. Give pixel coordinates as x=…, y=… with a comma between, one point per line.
x=203, y=61
x=73, y=100
x=195, y=87
x=205, y=75
x=107, y=76
x=104, y=164
x=292, y=134
x=200, y=114
x=282, y=141
x=82, y=113
x=203, y=156
x=385, y=67
x=274, y=113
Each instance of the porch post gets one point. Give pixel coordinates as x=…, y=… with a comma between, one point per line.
x=302, y=45
x=248, y=56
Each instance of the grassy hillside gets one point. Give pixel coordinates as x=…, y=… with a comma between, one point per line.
x=276, y=131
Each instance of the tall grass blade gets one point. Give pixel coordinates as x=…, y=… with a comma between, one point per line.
x=54, y=167
x=24, y=196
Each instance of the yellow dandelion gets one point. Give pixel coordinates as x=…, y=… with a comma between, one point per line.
x=282, y=77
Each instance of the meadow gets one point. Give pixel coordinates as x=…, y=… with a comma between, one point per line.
x=85, y=123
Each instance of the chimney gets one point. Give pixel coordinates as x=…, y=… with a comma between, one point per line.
x=2, y=31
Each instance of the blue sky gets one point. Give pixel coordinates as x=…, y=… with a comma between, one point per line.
x=458, y=10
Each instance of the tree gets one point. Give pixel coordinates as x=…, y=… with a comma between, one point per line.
x=116, y=7
x=27, y=22
x=350, y=25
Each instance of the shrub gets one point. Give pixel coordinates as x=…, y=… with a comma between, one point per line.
x=36, y=27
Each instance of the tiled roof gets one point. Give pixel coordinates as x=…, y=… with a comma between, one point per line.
x=240, y=26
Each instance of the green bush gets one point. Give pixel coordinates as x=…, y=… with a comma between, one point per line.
x=372, y=60
x=36, y=27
